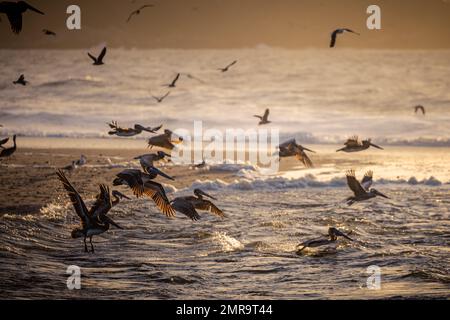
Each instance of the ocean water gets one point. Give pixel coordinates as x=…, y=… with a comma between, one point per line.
x=320, y=96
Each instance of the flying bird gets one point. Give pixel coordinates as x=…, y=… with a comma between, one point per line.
x=361, y=190
x=164, y=140
x=173, y=83
x=147, y=160
x=161, y=99
x=332, y=236
x=94, y=221
x=21, y=80
x=48, y=32
x=337, y=32
x=138, y=11
x=7, y=152
x=291, y=148
x=200, y=203
x=228, y=66
x=419, y=107
x=14, y=12
x=264, y=118
x=99, y=60
x=130, y=132
x=353, y=144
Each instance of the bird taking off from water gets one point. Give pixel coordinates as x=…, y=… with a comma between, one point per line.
x=337, y=32
x=419, y=108
x=99, y=60
x=264, y=118
x=14, y=12
x=21, y=80
x=353, y=144
x=138, y=11
x=362, y=190
x=228, y=66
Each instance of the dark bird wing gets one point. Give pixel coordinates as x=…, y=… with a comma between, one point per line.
x=354, y=185
x=102, y=54
x=350, y=30
x=156, y=191
x=92, y=57
x=367, y=181
x=15, y=20
x=353, y=142
x=266, y=115
x=176, y=79
x=207, y=205
x=21, y=78
x=131, y=15
x=333, y=38
x=303, y=157
x=75, y=198
x=102, y=204
x=155, y=129
x=259, y=117
x=186, y=208
x=134, y=180
x=2, y=142
x=231, y=64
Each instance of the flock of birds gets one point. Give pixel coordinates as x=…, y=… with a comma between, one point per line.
x=142, y=182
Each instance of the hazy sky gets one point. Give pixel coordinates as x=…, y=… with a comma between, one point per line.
x=233, y=24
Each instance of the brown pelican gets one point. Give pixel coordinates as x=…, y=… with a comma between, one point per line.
x=161, y=99
x=141, y=183
x=201, y=203
x=419, y=107
x=332, y=236
x=7, y=152
x=14, y=12
x=353, y=144
x=138, y=11
x=290, y=148
x=339, y=31
x=98, y=61
x=94, y=221
x=164, y=140
x=228, y=66
x=173, y=83
x=21, y=80
x=362, y=190
x=185, y=207
x=130, y=132
x=147, y=160
x=264, y=118
x=48, y=32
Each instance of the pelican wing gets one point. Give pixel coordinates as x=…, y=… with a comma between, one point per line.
x=15, y=20
x=156, y=191
x=259, y=117
x=333, y=38
x=266, y=115
x=207, y=205
x=288, y=143
x=92, y=57
x=134, y=181
x=75, y=198
x=303, y=157
x=185, y=207
x=102, y=204
x=131, y=15
x=354, y=185
x=353, y=142
x=102, y=54
x=367, y=181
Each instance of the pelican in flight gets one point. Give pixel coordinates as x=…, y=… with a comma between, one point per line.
x=147, y=160
x=94, y=221
x=228, y=66
x=164, y=140
x=141, y=184
x=362, y=190
x=200, y=203
x=14, y=12
x=130, y=132
x=48, y=32
x=353, y=144
x=99, y=60
x=21, y=80
x=161, y=99
x=291, y=148
x=7, y=152
x=173, y=83
x=419, y=107
x=332, y=236
x=264, y=118
x=138, y=11
x=337, y=32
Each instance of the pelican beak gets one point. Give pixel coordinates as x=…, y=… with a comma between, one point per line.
x=207, y=195
x=308, y=150
x=378, y=193
x=111, y=221
x=374, y=145
x=340, y=233
x=159, y=172
x=121, y=195
x=34, y=9
x=137, y=158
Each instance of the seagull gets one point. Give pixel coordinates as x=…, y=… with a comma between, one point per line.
x=160, y=99
x=7, y=152
x=173, y=84
x=332, y=236
x=48, y=32
x=141, y=184
x=291, y=148
x=94, y=221
x=14, y=12
x=228, y=66
x=21, y=80
x=130, y=132
x=419, y=107
x=164, y=140
x=361, y=190
x=264, y=118
x=339, y=31
x=353, y=144
x=98, y=61
x=138, y=11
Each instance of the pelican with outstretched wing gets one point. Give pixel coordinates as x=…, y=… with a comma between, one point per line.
x=353, y=144
x=14, y=11
x=362, y=190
